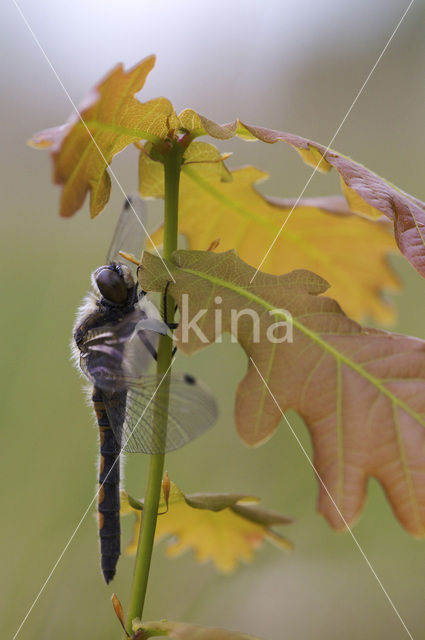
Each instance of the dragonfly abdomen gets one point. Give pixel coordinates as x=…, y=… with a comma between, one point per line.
x=109, y=490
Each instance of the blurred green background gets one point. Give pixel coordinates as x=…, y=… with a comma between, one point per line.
x=293, y=66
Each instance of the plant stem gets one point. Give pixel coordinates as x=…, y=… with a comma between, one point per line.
x=172, y=163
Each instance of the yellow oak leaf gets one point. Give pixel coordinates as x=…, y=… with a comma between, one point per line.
x=322, y=234
x=110, y=119
x=224, y=528
x=366, y=192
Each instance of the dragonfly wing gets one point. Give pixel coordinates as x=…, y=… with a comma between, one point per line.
x=115, y=354
x=131, y=230
x=160, y=419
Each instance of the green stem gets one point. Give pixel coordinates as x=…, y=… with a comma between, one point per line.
x=172, y=163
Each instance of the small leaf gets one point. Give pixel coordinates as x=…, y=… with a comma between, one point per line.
x=217, y=501
x=214, y=245
x=224, y=528
x=166, y=487
x=128, y=504
x=322, y=234
x=113, y=119
x=200, y=154
x=119, y=611
x=360, y=391
x=186, y=631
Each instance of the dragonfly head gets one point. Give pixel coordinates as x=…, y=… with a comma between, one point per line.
x=115, y=284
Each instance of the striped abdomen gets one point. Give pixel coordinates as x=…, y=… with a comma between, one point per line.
x=109, y=490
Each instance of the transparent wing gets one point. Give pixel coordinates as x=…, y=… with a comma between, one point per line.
x=113, y=353
x=130, y=232
x=155, y=419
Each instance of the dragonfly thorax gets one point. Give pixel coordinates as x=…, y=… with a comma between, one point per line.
x=115, y=284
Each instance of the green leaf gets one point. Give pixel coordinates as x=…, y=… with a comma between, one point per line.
x=360, y=391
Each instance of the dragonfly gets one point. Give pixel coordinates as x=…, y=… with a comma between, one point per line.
x=115, y=341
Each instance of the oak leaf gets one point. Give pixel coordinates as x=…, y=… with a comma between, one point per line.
x=225, y=528
x=366, y=192
x=360, y=391
x=110, y=119
x=322, y=234
x=185, y=631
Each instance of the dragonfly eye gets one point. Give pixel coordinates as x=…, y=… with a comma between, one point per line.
x=111, y=285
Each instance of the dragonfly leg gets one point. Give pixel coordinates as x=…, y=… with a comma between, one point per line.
x=170, y=325
x=148, y=344
x=141, y=294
